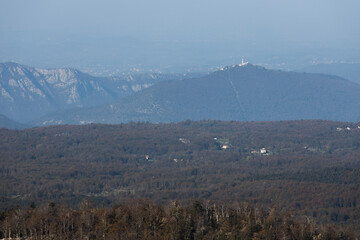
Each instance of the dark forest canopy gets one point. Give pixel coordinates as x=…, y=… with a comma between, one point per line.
x=146, y=220
x=309, y=168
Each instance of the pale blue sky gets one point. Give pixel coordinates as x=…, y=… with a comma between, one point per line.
x=265, y=23
x=185, y=19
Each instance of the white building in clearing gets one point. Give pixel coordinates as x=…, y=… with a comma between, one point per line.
x=225, y=146
x=263, y=150
x=243, y=63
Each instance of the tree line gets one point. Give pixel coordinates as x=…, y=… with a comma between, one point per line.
x=146, y=220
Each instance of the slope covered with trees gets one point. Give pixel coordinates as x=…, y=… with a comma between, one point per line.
x=145, y=220
x=241, y=93
x=309, y=168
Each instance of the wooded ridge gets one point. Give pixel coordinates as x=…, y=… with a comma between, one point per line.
x=309, y=168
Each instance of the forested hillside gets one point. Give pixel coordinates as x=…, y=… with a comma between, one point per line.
x=146, y=220
x=242, y=93
x=309, y=168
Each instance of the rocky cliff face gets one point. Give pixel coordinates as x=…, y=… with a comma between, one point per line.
x=27, y=93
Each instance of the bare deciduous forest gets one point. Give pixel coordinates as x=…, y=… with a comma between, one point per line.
x=288, y=179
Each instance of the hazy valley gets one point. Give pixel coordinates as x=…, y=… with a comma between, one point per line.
x=40, y=97
x=179, y=120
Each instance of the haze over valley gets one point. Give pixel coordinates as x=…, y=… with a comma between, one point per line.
x=202, y=119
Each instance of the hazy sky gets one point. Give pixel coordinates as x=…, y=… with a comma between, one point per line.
x=184, y=19
x=267, y=23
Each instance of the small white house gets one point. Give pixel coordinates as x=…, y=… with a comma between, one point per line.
x=184, y=140
x=225, y=146
x=263, y=150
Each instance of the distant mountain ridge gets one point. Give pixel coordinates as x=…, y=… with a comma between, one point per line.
x=5, y=122
x=27, y=92
x=350, y=71
x=242, y=93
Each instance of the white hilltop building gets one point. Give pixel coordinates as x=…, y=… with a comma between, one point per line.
x=243, y=63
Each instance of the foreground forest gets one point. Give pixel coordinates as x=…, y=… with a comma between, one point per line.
x=302, y=168
x=145, y=220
